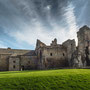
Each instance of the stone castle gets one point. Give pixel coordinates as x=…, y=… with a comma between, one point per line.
x=67, y=55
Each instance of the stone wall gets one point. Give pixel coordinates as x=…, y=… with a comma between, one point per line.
x=4, y=62
x=15, y=60
x=53, y=56
x=13, y=51
x=28, y=62
x=47, y=57
x=84, y=45
x=71, y=47
x=14, y=64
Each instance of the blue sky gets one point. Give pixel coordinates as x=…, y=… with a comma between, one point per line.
x=22, y=22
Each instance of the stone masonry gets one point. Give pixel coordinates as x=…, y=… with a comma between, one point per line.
x=65, y=55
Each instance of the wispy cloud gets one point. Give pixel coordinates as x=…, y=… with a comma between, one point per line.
x=71, y=21
x=30, y=33
x=25, y=21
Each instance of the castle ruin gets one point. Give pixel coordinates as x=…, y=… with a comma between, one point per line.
x=65, y=55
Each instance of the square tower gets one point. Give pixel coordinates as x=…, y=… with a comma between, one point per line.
x=84, y=44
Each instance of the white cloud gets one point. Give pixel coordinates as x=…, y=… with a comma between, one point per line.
x=48, y=7
x=71, y=22
x=29, y=33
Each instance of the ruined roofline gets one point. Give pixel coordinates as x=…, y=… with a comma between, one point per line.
x=17, y=52
x=38, y=41
x=15, y=49
x=39, y=44
x=85, y=27
x=82, y=29
x=5, y=51
x=69, y=40
x=57, y=45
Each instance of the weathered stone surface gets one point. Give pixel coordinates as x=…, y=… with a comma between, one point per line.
x=48, y=57
x=4, y=62
x=28, y=62
x=14, y=63
x=71, y=47
x=84, y=45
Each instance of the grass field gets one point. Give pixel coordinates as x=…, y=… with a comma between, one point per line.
x=63, y=79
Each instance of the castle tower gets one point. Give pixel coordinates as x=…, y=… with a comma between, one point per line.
x=84, y=44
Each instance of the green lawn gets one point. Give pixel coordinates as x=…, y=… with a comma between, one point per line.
x=63, y=79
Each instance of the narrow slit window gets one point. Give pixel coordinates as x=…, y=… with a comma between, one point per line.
x=14, y=66
x=29, y=62
x=63, y=54
x=50, y=54
x=14, y=61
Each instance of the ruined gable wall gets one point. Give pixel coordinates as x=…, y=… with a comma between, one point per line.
x=54, y=57
x=71, y=47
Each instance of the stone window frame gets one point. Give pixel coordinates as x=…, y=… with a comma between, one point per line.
x=14, y=61
x=51, y=54
x=63, y=54
x=14, y=66
x=29, y=62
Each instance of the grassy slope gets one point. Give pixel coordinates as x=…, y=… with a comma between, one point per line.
x=64, y=79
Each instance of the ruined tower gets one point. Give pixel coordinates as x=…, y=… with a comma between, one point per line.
x=84, y=45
